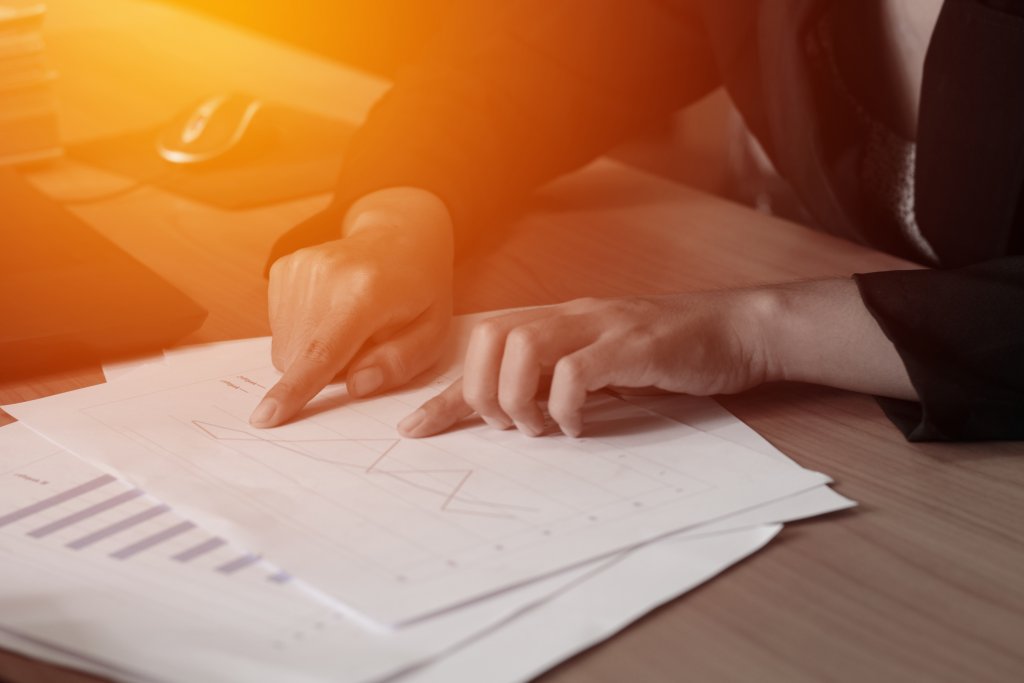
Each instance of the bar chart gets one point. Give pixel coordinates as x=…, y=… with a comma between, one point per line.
x=108, y=577
x=59, y=501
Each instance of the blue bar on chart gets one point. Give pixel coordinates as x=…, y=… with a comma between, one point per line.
x=238, y=564
x=199, y=550
x=118, y=527
x=85, y=514
x=56, y=500
x=152, y=541
x=133, y=548
x=280, y=577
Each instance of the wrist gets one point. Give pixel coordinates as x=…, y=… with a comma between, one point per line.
x=407, y=207
x=743, y=323
x=758, y=318
x=403, y=221
x=791, y=319
x=780, y=313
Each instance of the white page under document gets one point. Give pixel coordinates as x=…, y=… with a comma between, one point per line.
x=538, y=637
x=100, y=576
x=106, y=573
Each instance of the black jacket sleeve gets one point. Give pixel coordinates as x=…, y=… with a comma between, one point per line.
x=960, y=333
x=513, y=94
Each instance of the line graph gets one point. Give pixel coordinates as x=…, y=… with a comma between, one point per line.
x=447, y=485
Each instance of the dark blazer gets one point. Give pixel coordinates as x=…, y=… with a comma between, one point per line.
x=521, y=92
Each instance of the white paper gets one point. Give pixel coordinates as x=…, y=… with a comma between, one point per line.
x=115, y=370
x=167, y=610
x=537, y=631
x=701, y=413
x=149, y=614
x=401, y=529
x=626, y=587
x=541, y=635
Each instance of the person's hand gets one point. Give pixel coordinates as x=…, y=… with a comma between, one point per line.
x=699, y=344
x=375, y=304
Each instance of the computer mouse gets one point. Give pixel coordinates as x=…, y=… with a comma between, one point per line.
x=211, y=130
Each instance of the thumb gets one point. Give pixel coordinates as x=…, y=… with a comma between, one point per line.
x=395, y=362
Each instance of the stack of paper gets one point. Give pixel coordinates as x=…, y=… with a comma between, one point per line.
x=428, y=560
x=28, y=112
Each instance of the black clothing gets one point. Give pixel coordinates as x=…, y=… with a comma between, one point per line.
x=550, y=84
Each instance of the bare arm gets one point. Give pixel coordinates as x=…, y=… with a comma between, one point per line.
x=696, y=343
x=821, y=333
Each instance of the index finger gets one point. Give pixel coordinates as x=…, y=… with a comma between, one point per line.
x=319, y=362
x=437, y=414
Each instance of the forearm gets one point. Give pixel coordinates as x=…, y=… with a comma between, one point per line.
x=820, y=332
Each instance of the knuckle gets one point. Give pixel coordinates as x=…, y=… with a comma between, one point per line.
x=322, y=266
x=279, y=267
x=586, y=303
x=361, y=280
x=395, y=362
x=562, y=413
x=438, y=404
x=636, y=308
x=519, y=408
x=647, y=305
x=617, y=312
x=479, y=400
x=515, y=403
x=487, y=332
x=451, y=402
x=303, y=258
x=523, y=339
x=569, y=369
x=318, y=351
x=284, y=391
x=642, y=343
x=450, y=394
x=323, y=263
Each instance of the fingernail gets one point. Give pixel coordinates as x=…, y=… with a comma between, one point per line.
x=366, y=381
x=413, y=420
x=264, y=413
x=527, y=429
x=573, y=429
x=496, y=423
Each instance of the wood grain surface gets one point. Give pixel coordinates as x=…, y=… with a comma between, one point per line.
x=923, y=582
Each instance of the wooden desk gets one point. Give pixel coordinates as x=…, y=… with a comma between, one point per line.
x=923, y=582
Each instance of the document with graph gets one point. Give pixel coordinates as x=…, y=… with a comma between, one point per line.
x=165, y=600
x=401, y=529
x=113, y=577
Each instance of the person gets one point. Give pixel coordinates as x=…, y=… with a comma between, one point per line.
x=898, y=123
